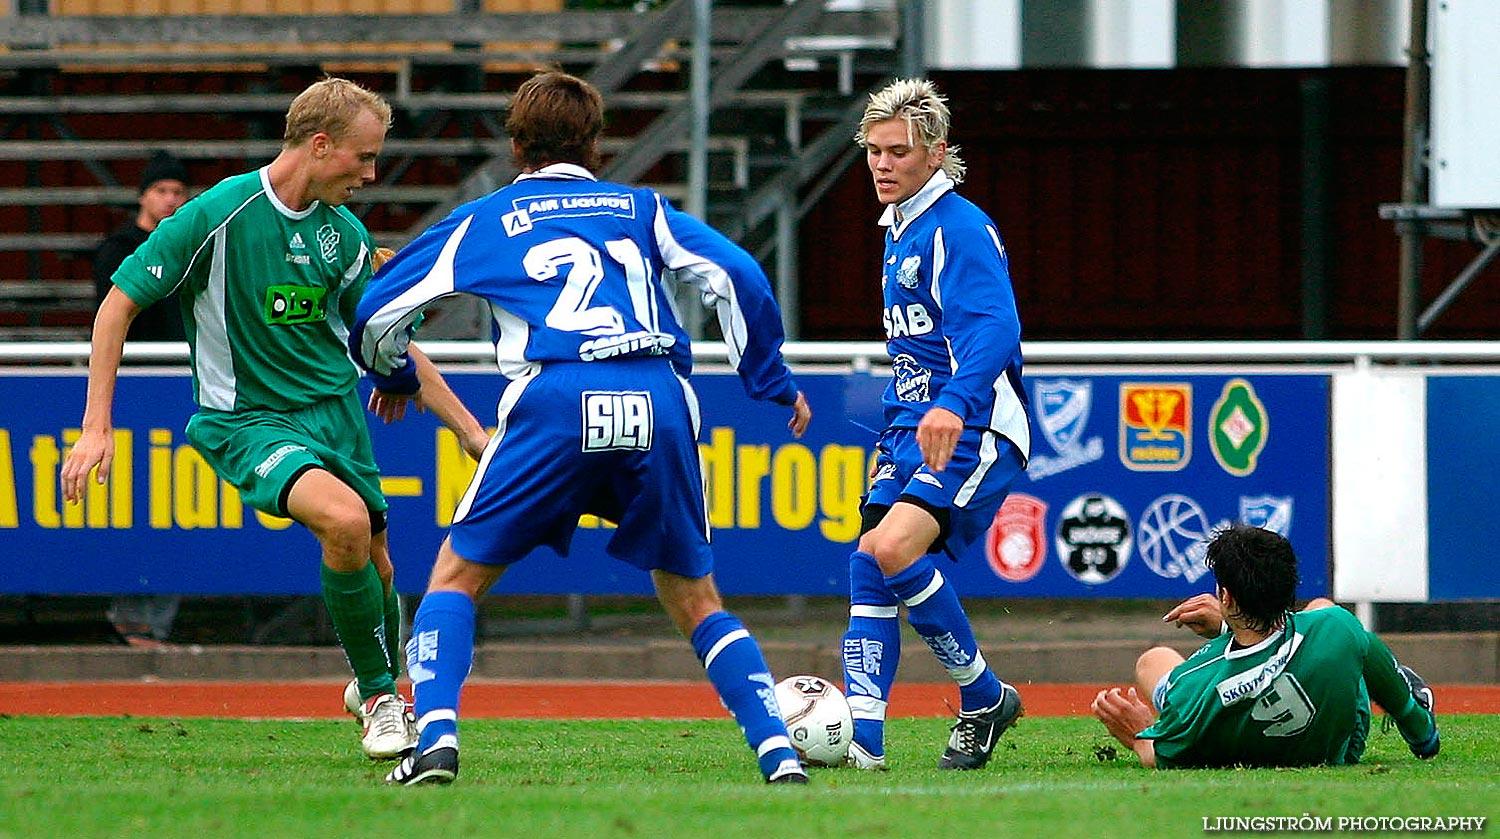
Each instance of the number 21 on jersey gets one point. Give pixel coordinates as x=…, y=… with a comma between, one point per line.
x=574, y=310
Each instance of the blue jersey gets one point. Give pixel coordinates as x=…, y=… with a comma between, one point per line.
x=573, y=270
x=950, y=319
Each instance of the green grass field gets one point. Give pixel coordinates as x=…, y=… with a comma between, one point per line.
x=222, y=779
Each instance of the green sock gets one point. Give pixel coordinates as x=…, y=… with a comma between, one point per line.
x=393, y=631
x=356, y=603
x=1389, y=688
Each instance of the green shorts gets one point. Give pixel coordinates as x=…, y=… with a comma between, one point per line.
x=264, y=452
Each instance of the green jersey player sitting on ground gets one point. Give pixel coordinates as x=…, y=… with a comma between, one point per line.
x=267, y=267
x=1273, y=687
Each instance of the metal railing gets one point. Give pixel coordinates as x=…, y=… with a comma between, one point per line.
x=872, y=354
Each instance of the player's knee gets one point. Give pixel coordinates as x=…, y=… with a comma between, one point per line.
x=452, y=572
x=1155, y=655
x=1153, y=664
x=344, y=532
x=1318, y=603
x=892, y=550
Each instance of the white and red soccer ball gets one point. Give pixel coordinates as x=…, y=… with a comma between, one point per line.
x=817, y=719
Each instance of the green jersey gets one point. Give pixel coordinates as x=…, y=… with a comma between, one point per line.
x=1297, y=698
x=267, y=293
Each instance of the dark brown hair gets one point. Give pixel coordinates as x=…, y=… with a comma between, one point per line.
x=556, y=118
x=1259, y=568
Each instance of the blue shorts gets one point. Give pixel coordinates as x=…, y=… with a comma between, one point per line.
x=616, y=439
x=971, y=488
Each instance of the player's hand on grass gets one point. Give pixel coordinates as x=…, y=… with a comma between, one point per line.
x=96, y=447
x=801, y=416
x=1124, y=715
x=1201, y=613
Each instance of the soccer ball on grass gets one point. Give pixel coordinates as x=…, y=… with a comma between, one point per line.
x=817, y=719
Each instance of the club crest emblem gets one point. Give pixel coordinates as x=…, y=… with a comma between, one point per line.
x=1238, y=428
x=1156, y=426
x=1016, y=544
x=1093, y=538
x=1173, y=537
x=906, y=275
x=1270, y=512
x=328, y=243
x=1063, y=408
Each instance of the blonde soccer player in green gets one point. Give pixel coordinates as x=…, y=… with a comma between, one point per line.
x=267, y=267
x=1272, y=687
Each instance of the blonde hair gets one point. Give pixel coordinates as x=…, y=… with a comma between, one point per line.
x=331, y=106
x=925, y=112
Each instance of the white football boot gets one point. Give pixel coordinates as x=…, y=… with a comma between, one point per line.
x=352, y=701
x=389, y=728
x=858, y=758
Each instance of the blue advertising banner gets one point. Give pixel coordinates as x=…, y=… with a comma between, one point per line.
x=1129, y=473
x=1462, y=485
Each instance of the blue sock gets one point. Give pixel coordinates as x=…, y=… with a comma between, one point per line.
x=933, y=610
x=872, y=649
x=438, y=658
x=744, y=682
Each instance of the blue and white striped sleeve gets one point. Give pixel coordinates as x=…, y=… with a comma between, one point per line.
x=733, y=284
x=980, y=324
x=420, y=274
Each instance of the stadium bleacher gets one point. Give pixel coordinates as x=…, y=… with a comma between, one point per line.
x=88, y=91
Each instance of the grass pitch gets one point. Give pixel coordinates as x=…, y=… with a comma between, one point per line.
x=224, y=779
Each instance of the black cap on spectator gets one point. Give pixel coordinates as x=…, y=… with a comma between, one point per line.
x=163, y=166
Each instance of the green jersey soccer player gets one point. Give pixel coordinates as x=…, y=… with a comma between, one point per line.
x=1273, y=687
x=267, y=268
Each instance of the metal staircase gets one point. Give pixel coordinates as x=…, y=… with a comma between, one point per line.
x=84, y=100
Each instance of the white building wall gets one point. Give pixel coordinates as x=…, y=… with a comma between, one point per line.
x=973, y=34
x=987, y=34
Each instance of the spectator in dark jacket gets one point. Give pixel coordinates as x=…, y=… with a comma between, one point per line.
x=164, y=188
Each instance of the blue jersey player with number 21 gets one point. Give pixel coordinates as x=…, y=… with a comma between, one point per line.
x=596, y=415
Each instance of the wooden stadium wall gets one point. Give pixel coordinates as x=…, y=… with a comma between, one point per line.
x=310, y=7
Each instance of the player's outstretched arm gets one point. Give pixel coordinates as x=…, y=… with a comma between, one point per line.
x=96, y=445
x=1201, y=613
x=439, y=398
x=1124, y=715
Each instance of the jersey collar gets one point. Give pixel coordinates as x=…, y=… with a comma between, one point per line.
x=265, y=183
x=907, y=210
x=569, y=171
x=1232, y=651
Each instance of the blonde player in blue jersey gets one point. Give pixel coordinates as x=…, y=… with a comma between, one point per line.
x=1273, y=687
x=267, y=267
x=957, y=433
x=596, y=414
